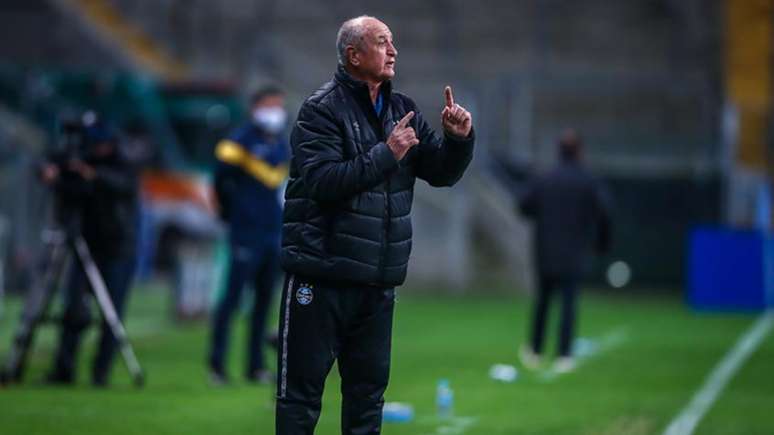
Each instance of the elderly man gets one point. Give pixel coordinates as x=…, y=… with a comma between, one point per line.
x=357, y=148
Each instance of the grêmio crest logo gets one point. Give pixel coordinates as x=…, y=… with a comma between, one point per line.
x=304, y=294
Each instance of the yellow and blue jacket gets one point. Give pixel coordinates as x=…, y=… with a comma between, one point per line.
x=252, y=167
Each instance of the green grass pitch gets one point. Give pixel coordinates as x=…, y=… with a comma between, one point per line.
x=653, y=354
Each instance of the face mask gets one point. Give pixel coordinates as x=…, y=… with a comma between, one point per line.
x=271, y=119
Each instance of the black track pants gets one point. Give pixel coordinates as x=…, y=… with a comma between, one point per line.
x=568, y=287
x=323, y=323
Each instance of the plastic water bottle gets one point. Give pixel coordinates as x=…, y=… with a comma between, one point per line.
x=396, y=412
x=444, y=399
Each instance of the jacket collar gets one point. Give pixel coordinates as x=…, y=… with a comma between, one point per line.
x=360, y=87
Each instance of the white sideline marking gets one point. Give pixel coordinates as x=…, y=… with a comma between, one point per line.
x=685, y=422
x=451, y=426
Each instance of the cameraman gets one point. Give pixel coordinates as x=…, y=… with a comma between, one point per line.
x=96, y=189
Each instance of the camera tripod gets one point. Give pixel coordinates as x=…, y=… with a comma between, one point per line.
x=60, y=246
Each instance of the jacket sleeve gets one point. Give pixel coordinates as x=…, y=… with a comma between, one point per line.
x=317, y=143
x=441, y=162
x=528, y=202
x=231, y=152
x=224, y=184
x=120, y=179
x=66, y=185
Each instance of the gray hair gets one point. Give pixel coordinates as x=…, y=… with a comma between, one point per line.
x=350, y=33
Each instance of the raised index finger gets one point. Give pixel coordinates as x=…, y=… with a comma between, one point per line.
x=449, y=97
x=404, y=122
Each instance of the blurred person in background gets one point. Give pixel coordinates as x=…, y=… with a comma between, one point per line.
x=571, y=216
x=358, y=148
x=98, y=187
x=252, y=166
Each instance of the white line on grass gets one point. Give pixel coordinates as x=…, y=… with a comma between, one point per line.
x=685, y=422
x=450, y=426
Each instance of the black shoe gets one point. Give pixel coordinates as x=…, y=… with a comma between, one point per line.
x=60, y=377
x=99, y=381
x=218, y=378
x=261, y=377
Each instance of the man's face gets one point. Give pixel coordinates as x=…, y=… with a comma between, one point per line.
x=269, y=113
x=374, y=58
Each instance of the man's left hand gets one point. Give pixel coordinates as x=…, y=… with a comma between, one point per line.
x=86, y=171
x=455, y=119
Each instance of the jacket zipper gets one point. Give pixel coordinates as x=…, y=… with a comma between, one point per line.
x=356, y=125
x=385, y=217
x=385, y=230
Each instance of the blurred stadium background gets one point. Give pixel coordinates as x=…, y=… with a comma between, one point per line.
x=673, y=98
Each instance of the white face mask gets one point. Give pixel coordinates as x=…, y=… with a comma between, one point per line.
x=271, y=119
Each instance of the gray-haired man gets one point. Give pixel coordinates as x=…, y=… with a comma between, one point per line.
x=357, y=150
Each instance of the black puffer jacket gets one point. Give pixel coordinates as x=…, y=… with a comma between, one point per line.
x=348, y=201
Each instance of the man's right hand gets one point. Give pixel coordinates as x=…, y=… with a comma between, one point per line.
x=402, y=137
x=49, y=173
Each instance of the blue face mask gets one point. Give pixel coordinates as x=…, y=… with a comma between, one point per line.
x=270, y=119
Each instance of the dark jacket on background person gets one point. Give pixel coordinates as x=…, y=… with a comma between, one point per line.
x=252, y=166
x=105, y=206
x=571, y=215
x=348, y=200
x=110, y=216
